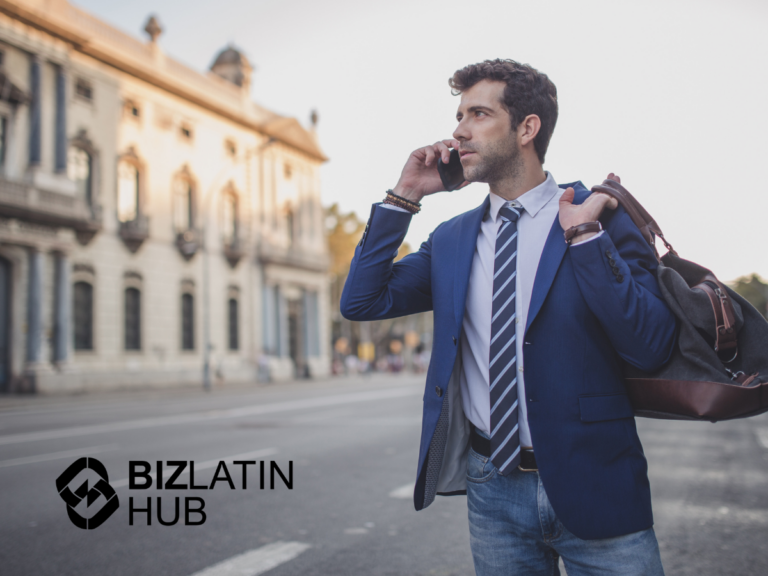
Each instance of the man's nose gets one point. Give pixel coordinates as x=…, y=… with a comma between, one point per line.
x=461, y=133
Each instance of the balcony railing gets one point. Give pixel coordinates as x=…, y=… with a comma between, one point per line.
x=31, y=203
x=134, y=232
x=293, y=257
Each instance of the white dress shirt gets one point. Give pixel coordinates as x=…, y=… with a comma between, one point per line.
x=541, y=207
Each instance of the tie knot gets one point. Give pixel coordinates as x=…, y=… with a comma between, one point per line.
x=510, y=213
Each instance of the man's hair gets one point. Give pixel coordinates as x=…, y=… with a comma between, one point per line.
x=527, y=91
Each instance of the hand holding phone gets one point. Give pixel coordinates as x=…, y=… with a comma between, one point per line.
x=452, y=174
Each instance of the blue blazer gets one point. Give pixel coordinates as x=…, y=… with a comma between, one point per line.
x=593, y=306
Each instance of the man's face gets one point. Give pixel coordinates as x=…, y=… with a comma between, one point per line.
x=488, y=145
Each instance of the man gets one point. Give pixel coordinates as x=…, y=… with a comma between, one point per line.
x=538, y=295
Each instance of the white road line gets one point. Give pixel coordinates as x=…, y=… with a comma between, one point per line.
x=256, y=561
x=402, y=492
x=208, y=464
x=258, y=409
x=762, y=436
x=57, y=455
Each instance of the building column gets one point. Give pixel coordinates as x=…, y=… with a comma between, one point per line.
x=61, y=310
x=60, y=157
x=35, y=108
x=283, y=348
x=34, y=307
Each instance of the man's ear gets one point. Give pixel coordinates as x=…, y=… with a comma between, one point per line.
x=528, y=129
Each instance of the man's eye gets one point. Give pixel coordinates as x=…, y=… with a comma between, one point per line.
x=479, y=112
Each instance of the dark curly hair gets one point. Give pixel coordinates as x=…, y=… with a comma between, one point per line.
x=527, y=91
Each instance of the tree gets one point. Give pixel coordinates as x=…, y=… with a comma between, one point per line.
x=754, y=290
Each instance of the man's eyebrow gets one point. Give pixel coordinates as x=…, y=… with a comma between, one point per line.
x=476, y=109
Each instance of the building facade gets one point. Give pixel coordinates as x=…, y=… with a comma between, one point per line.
x=156, y=225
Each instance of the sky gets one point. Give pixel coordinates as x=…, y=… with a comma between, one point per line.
x=669, y=95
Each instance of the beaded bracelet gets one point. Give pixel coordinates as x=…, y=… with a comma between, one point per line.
x=400, y=202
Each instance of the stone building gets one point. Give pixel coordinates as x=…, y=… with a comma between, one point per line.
x=156, y=225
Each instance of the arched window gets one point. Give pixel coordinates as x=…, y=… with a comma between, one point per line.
x=187, y=322
x=83, y=315
x=234, y=342
x=79, y=170
x=127, y=191
x=229, y=211
x=183, y=204
x=132, y=319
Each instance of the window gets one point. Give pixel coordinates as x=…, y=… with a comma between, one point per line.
x=186, y=132
x=83, y=316
x=132, y=319
x=183, y=219
x=127, y=191
x=230, y=218
x=187, y=322
x=83, y=89
x=290, y=227
x=3, y=139
x=79, y=171
x=234, y=343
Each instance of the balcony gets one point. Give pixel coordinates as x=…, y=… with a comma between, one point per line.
x=188, y=243
x=292, y=257
x=49, y=206
x=134, y=232
x=234, y=250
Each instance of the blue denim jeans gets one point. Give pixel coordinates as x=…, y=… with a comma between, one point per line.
x=514, y=530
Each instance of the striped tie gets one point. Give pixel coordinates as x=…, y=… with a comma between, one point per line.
x=505, y=439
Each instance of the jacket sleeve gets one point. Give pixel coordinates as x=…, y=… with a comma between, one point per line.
x=616, y=274
x=376, y=286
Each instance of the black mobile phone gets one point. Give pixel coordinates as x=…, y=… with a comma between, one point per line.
x=452, y=174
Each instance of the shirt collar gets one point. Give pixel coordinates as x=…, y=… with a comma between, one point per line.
x=532, y=201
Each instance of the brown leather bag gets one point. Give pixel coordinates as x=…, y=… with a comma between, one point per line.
x=719, y=368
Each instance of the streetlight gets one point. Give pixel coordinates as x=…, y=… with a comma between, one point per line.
x=207, y=346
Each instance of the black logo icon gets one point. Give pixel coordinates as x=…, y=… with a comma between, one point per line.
x=101, y=488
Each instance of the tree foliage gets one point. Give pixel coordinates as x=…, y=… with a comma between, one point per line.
x=754, y=290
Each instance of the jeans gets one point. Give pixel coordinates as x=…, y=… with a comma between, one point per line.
x=514, y=530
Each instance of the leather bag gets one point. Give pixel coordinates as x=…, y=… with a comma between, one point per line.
x=719, y=368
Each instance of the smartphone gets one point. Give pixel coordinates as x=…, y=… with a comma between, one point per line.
x=452, y=174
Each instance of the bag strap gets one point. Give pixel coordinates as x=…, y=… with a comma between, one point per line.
x=725, y=319
x=640, y=216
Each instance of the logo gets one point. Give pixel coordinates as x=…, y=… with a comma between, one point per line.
x=101, y=488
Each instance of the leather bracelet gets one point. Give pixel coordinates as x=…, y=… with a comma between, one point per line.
x=585, y=228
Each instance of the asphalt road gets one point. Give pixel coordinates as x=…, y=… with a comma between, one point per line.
x=354, y=446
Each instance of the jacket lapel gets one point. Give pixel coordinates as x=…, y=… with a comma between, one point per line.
x=469, y=228
x=551, y=257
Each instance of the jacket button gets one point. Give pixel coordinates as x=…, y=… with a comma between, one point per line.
x=454, y=339
x=620, y=278
x=611, y=261
x=608, y=253
x=438, y=391
x=616, y=272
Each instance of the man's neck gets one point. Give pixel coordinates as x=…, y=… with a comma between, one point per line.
x=516, y=186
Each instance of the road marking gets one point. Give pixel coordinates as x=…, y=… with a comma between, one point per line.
x=402, y=492
x=259, y=409
x=209, y=464
x=256, y=561
x=762, y=436
x=57, y=455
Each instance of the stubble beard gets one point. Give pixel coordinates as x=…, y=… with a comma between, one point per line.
x=499, y=161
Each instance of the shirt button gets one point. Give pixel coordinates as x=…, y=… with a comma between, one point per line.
x=438, y=391
x=517, y=320
x=520, y=369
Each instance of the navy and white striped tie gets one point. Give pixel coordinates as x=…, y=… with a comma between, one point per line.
x=505, y=438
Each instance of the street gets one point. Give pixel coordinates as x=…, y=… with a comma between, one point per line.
x=353, y=444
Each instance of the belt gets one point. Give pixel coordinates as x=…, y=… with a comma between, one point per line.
x=483, y=447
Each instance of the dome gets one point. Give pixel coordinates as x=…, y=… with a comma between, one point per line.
x=233, y=66
x=230, y=55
